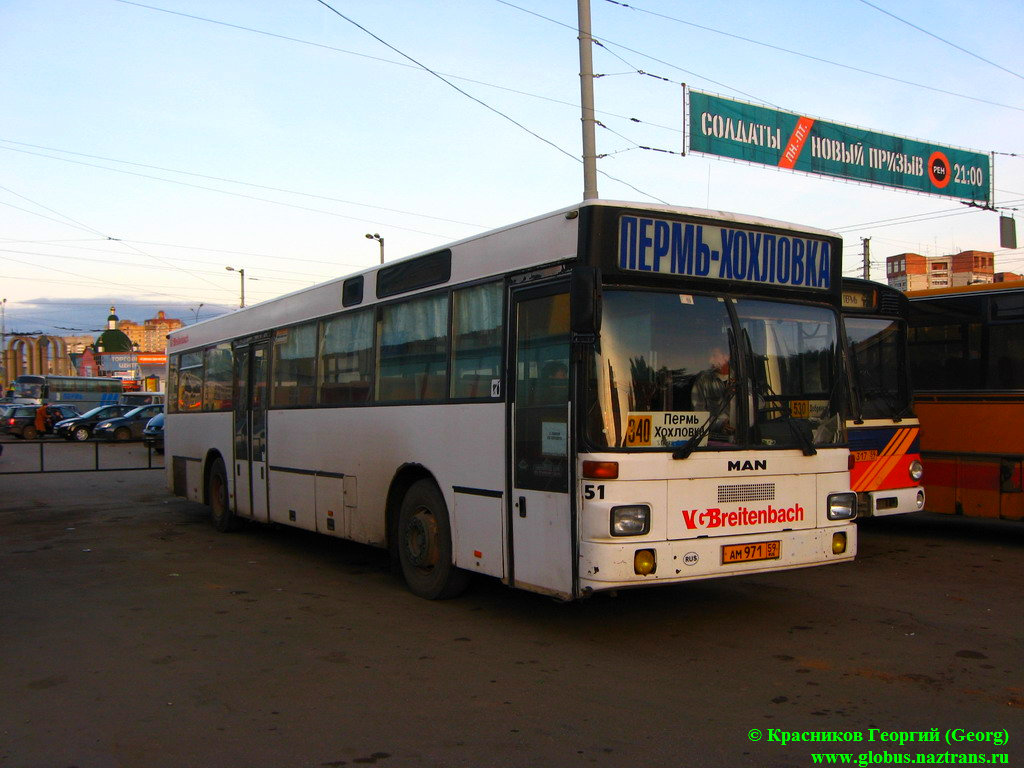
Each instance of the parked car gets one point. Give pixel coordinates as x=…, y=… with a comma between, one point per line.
x=20, y=420
x=153, y=434
x=127, y=427
x=80, y=427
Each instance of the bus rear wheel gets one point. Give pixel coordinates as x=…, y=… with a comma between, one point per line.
x=425, y=544
x=223, y=518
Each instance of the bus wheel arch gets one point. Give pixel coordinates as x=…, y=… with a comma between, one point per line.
x=216, y=493
x=420, y=538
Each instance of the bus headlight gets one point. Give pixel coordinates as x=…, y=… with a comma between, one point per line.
x=916, y=471
x=842, y=506
x=632, y=520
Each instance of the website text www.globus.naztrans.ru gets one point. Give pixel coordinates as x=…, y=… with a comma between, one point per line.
x=905, y=758
x=887, y=740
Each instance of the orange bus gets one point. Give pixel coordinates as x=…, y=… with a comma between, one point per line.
x=967, y=362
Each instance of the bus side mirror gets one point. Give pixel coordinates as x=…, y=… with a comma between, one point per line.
x=585, y=301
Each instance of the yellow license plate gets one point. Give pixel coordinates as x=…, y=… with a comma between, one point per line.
x=745, y=553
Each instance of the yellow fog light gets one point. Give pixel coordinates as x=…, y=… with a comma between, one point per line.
x=838, y=543
x=644, y=562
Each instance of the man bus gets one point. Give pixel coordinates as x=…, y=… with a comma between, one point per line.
x=414, y=405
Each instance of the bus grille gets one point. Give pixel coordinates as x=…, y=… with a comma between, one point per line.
x=751, y=492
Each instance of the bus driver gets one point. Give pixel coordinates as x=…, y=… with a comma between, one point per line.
x=709, y=393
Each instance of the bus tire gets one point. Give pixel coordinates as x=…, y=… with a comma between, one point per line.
x=223, y=518
x=425, y=544
x=29, y=433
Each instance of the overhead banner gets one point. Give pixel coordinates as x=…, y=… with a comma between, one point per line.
x=767, y=136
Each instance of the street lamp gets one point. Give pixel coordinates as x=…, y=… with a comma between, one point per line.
x=241, y=274
x=196, y=311
x=380, y=240
x=3, y=343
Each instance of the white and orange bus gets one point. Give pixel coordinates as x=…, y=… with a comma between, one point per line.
x=607, y=396
x=884, y=433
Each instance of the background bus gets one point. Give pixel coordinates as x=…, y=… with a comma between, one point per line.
x=967, y=360
x=883, y=430
x=536, y=404
x=84, y=392
x=141, y=397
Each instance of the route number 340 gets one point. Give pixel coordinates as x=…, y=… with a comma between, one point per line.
x=591, y=492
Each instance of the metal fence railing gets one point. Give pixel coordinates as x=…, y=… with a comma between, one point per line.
x=19, y=457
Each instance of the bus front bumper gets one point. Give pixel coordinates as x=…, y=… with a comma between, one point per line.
x=610, y=565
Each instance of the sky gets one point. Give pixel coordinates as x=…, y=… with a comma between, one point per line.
x=145, y=147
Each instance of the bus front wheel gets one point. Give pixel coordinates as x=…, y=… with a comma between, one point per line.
x=224, y=519
x=425, y=544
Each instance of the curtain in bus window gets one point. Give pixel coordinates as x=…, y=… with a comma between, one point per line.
x=346, y=359
x=294, y=366
x=476, y=340
x=172, y=384
x=217, y=387
x=414, y=350
x=190, y=382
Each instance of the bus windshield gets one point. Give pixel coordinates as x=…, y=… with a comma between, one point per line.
x=674, y=369
x=880, y=381
x=28, y=387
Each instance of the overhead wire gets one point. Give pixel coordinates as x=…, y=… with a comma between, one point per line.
x=80, y=225
x=941, y=39
x=267, y=187
x=473, y=98
x=393, y=62
x=811, y=57
x=226, y=192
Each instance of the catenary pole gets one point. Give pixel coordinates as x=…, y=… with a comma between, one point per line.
x=587, y=101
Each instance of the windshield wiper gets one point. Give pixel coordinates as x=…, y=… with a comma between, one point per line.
x=896, y=411
x=694, y=441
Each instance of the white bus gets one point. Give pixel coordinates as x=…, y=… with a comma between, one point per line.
x=536, y=404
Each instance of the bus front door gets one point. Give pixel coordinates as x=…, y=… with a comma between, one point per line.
x=251, y=391
x=541, y=521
